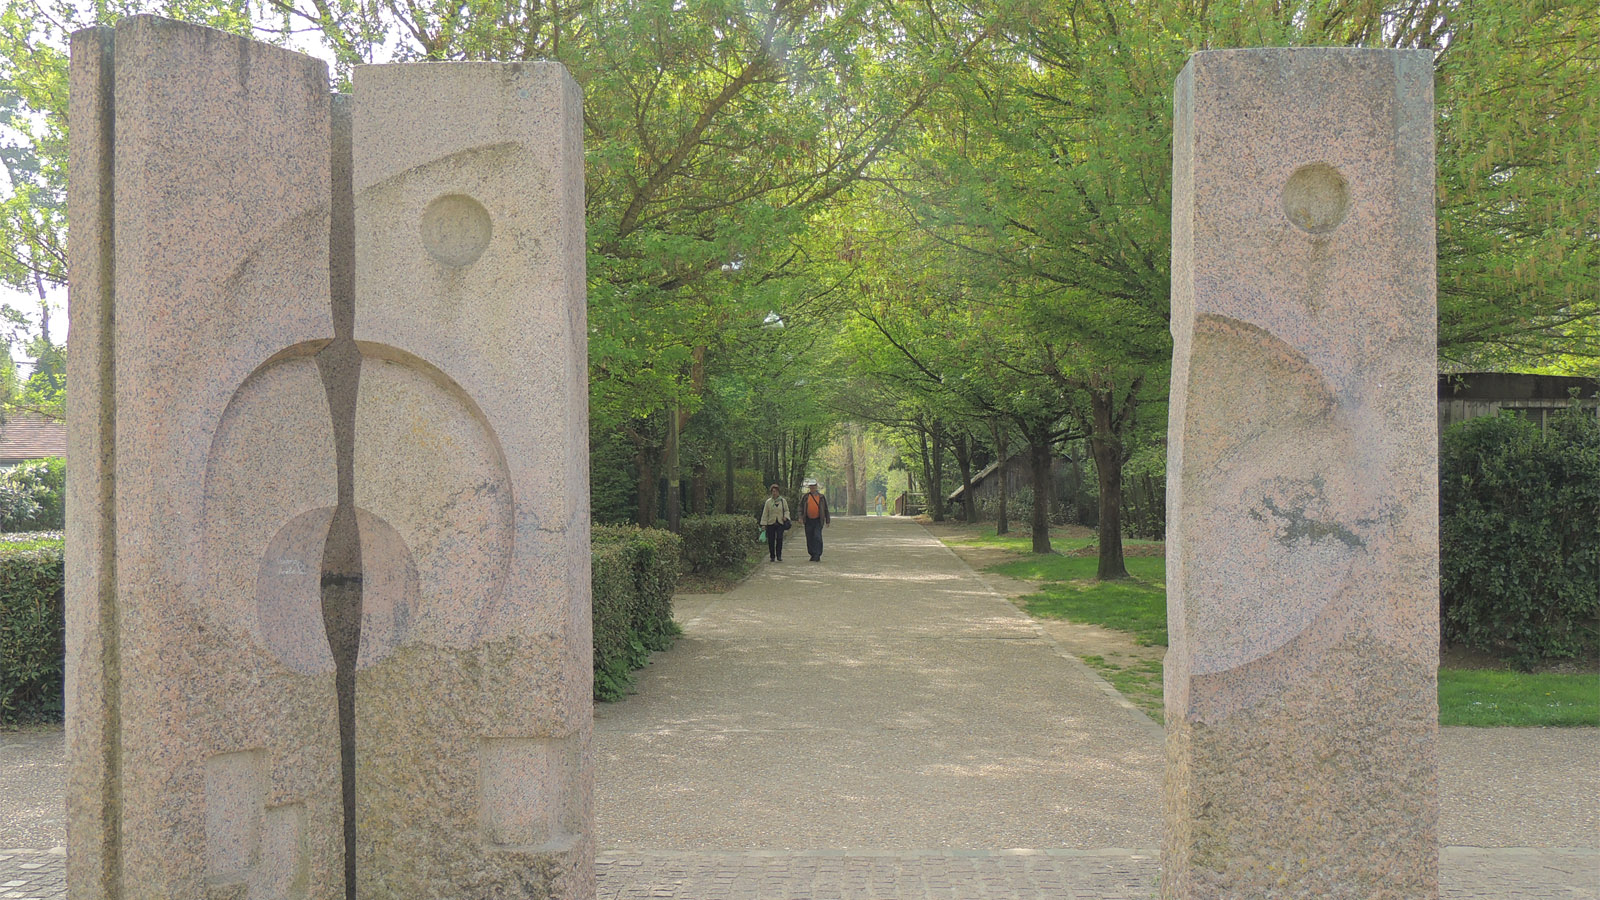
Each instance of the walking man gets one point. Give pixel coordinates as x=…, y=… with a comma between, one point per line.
x=814, y=514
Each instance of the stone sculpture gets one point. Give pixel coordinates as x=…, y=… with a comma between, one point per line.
x=1302, y=544
x=328, y=551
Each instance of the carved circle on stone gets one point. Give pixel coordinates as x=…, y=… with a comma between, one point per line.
x=1316, y=198
x=433, y=508
x=456, y=229
x=428, y=462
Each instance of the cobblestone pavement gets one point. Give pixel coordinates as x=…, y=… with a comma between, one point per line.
x=33, y=874
x=1466, y=873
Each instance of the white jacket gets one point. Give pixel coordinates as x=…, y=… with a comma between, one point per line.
x=774, y=511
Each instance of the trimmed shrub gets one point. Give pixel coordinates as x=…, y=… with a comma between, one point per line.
x=1518, y=543
x=612, y=583
x=717, y=543
x=634, y=573
x=33, y=496
x=32, y=629
x=654, y=561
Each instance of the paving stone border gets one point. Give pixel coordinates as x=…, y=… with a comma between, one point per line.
x=1466, y=873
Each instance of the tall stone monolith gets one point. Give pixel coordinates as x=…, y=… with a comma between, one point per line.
x=471, y=438
x=328, y=627
x=1302, y=542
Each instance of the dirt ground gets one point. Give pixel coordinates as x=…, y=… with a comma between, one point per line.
x=1463, y=658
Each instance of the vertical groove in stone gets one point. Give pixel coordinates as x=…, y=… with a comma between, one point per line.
x=340, y=366
x=111, y=626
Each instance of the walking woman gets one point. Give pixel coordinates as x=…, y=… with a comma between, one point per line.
x=775, y=516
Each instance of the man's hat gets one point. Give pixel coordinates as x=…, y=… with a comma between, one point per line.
x=810, y=482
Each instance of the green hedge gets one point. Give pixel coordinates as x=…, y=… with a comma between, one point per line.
x=32, y=629
x=717, y=543
x=1519, y=550
x=634, y=574
x=617, y=650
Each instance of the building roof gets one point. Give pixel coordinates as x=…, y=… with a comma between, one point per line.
x=28, y=435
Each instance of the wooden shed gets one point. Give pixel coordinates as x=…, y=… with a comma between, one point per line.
x=1469, y=395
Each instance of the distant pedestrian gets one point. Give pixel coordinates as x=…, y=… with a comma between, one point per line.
x=775, y=518
x=814, y=515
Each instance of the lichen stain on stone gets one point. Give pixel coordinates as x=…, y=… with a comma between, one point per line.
x=1300, y=526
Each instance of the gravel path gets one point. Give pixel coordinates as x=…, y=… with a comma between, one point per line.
x=882, y=698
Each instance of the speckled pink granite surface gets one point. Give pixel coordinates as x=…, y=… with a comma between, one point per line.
x=201, y=765
x=471, y=439
x=1302, y=544
x=211, y=254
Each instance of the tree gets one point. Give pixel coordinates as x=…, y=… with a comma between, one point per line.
x=1051, y=161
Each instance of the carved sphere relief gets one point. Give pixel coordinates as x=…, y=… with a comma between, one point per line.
x=456, y=229
x=289, y=591
x=1280, y=485
x=1316, y=198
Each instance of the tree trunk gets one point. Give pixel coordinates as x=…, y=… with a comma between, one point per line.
x=1077, y=488
x=1002, y=524
x=697, y=489
x=647, y=488
x=728, y=498
x=1039, y=456
x=799, y=456
x=674, y=485
x=927, y=474
x=851, y=492
x=862, y=499
x=936, y=473
x=969, y=507
x=1106, y=446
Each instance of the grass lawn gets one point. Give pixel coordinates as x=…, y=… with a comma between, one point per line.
x=984, y=536
x=1139, y=680
x=1138, y=607
x=29, y=541
x=1499, y=697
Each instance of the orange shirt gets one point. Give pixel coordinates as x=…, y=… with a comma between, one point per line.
x=813, y=506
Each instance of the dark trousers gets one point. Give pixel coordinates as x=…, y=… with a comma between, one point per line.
x=775, y=541
x=814, y=538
